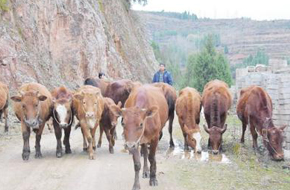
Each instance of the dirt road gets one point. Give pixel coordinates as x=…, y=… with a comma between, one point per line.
x=238, y=168
x=74, y=171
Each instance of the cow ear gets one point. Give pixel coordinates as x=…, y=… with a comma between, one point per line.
x=116, y=110
x=98, y=93
x=151, y=111
x=79, y=97
x=42, y=98
x=16, y=98
x=283, y=127
x=205, y=128
x=119, y=104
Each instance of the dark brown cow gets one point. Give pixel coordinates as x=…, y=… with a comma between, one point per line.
x=33, y=107
x=4, y=96
x=62, y=117
x=99, y=83
x=216, y=101
x=255, y=108
x=108, y=123
x=170, y=95
x=145, y=114
x=188, y=106
x=88, y=105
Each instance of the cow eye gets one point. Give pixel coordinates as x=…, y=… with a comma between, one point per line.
x=141, y=126
x=23, y=106
x=35, y=105
x=84, y=103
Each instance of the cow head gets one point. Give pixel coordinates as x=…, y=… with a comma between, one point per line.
x=31, y=107
x=90, y=104
x=193, y=138
x=215, y=137
x=134, y=123
x=113, y=117
x=273, y=138
x=62, y=112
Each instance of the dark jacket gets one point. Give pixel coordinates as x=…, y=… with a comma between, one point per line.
x=167, y=78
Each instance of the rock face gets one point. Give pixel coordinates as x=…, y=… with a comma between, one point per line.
x=64, y=41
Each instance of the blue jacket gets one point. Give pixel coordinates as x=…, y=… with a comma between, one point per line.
x=167, y=78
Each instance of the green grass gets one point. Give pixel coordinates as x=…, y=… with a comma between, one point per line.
x=3, y=5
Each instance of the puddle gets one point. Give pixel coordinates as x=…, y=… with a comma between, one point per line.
x=190, y=155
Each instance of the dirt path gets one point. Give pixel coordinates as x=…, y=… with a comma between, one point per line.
x=238, y=168
x=74, y=171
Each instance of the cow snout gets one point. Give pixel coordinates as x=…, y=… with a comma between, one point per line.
x=215, y=152
x=279, y=157
x=32, y=123
x=113, y=123
x=63, y=125
x=131, y=145
x=90, y=114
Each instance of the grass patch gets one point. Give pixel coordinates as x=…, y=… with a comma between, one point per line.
x=3, y=5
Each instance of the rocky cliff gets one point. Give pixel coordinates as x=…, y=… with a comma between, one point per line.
x=64, y=41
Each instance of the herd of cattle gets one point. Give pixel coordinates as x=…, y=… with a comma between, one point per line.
x=144, y=110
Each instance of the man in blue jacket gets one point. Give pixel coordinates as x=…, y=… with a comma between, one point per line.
x=162, y=75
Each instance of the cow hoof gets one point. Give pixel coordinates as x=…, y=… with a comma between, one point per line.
x=99, y=145
x=94, y=148
x=111, y=150
x=85, y=149
x=153, y=182
x=25, y=155
x=38, y=155
x=146, y=174
x=68, y=151
x=136, y=187
x=59, y=154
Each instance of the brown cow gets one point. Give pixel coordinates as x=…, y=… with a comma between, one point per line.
x=170, y=95
x=88, y=105
x=145, y=114
x=216, y=101
x=108, y=123
x=33, y=107
x=62, y=117
x=4, y=96
x=255, y=108
x=188, y=106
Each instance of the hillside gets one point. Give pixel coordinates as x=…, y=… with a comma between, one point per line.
x=241, y=36
x=63, y=42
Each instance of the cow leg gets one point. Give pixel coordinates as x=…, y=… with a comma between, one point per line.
x=254, y=135
x=243, y=134
x=66, y=140
x=57, y=132
x=101, y=135
x=6, y=119
x=153, y=181
x=137, y=167
x=1, y=116
x=113, y=132
x=109, y=137
x=37, y=142
x=89, y=138
x=170, y=128
x=93, y=132
x=146, y=172
x=185, y=142
x=85, y=146
x=26, y=147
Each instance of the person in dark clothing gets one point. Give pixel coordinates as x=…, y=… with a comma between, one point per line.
x=162, y=75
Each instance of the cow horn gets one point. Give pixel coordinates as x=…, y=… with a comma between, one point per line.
x=21, y=93
x=205, y=128
x=224, y=128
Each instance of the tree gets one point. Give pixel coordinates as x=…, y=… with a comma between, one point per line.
x=206, y=66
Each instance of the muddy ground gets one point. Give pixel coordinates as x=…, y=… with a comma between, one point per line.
x=236, y=168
